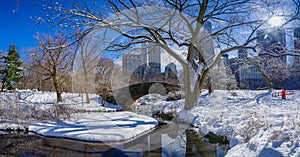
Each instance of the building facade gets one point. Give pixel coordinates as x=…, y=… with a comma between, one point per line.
x=246, y=74
x=272, y=41
x=296, y=39
x=143, y=64
x=153, y=53
x=133, y=61
x=250, y=78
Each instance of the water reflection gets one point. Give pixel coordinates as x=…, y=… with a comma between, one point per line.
x=186, y=144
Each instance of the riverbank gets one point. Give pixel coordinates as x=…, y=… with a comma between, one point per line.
x=35, y=111
x=255, y=123
x=101, y=127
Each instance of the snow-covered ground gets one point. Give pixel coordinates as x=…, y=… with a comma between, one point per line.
x=256, y=123
x=38, y=98
x=92, y=123
x=104, y=127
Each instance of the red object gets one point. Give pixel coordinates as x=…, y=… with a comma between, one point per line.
x=283, y=92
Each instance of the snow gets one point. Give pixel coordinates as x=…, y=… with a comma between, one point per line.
x=44, y=99
x=255, y=123
x=104, y=127
x=93, y=123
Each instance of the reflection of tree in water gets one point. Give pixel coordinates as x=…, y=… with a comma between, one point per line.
x=196, y=148
x=34, y=145
x=21, y=145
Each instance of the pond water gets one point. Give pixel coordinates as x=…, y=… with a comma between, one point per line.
x=185, y=144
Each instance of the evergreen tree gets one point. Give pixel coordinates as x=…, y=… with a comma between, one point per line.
x=11, y=69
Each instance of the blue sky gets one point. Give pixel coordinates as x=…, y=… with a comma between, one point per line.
x=18, y=26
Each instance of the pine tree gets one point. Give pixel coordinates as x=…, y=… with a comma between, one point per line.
x=11, y=71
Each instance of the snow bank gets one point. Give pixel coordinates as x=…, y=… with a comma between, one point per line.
x=92, y=125
x=256, y=123
x=104, y=127
x=75, y=100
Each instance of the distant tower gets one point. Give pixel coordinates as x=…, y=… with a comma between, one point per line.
x=153, y=53
x=297, y=39
x=296, y=59
x=154, y=59
x=206, y=45
x=171, y=73
x=171, y=67
x=133, y=61
x=272, y=41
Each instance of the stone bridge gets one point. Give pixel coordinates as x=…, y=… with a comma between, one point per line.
x=127, y=95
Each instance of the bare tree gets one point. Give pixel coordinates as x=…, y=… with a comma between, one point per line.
x=273, y=70
x=32, y=78
x=181, y=28
x=221, y=78
x=89, y=51
x=104, y=72
x=53, y=62
x=25, y=81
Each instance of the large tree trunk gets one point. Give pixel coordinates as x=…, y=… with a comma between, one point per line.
x=209, y=85
x=57, y=89
x=3, y=84
x=2, y=87
x=191, y=95
x=190, y=100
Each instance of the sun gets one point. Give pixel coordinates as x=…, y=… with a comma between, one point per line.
x=276, y=21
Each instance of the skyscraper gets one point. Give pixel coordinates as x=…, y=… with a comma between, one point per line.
x=297, y=39
x=143, y=64
x=296, y=59
x=204, y=48
x=271, y=41
x=133, y=61
x=272, y=47
x=153, y=53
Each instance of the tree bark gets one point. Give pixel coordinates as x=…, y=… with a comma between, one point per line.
x=190, y=94
x=3, y=83
x=190, y=100
x=57, y=88
x=209, y=85
x=87, y=97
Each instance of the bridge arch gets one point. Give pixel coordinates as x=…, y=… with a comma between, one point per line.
x=127, y=95
x=145, y=79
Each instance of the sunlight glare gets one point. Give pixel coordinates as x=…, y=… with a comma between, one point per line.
x=276, y=21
